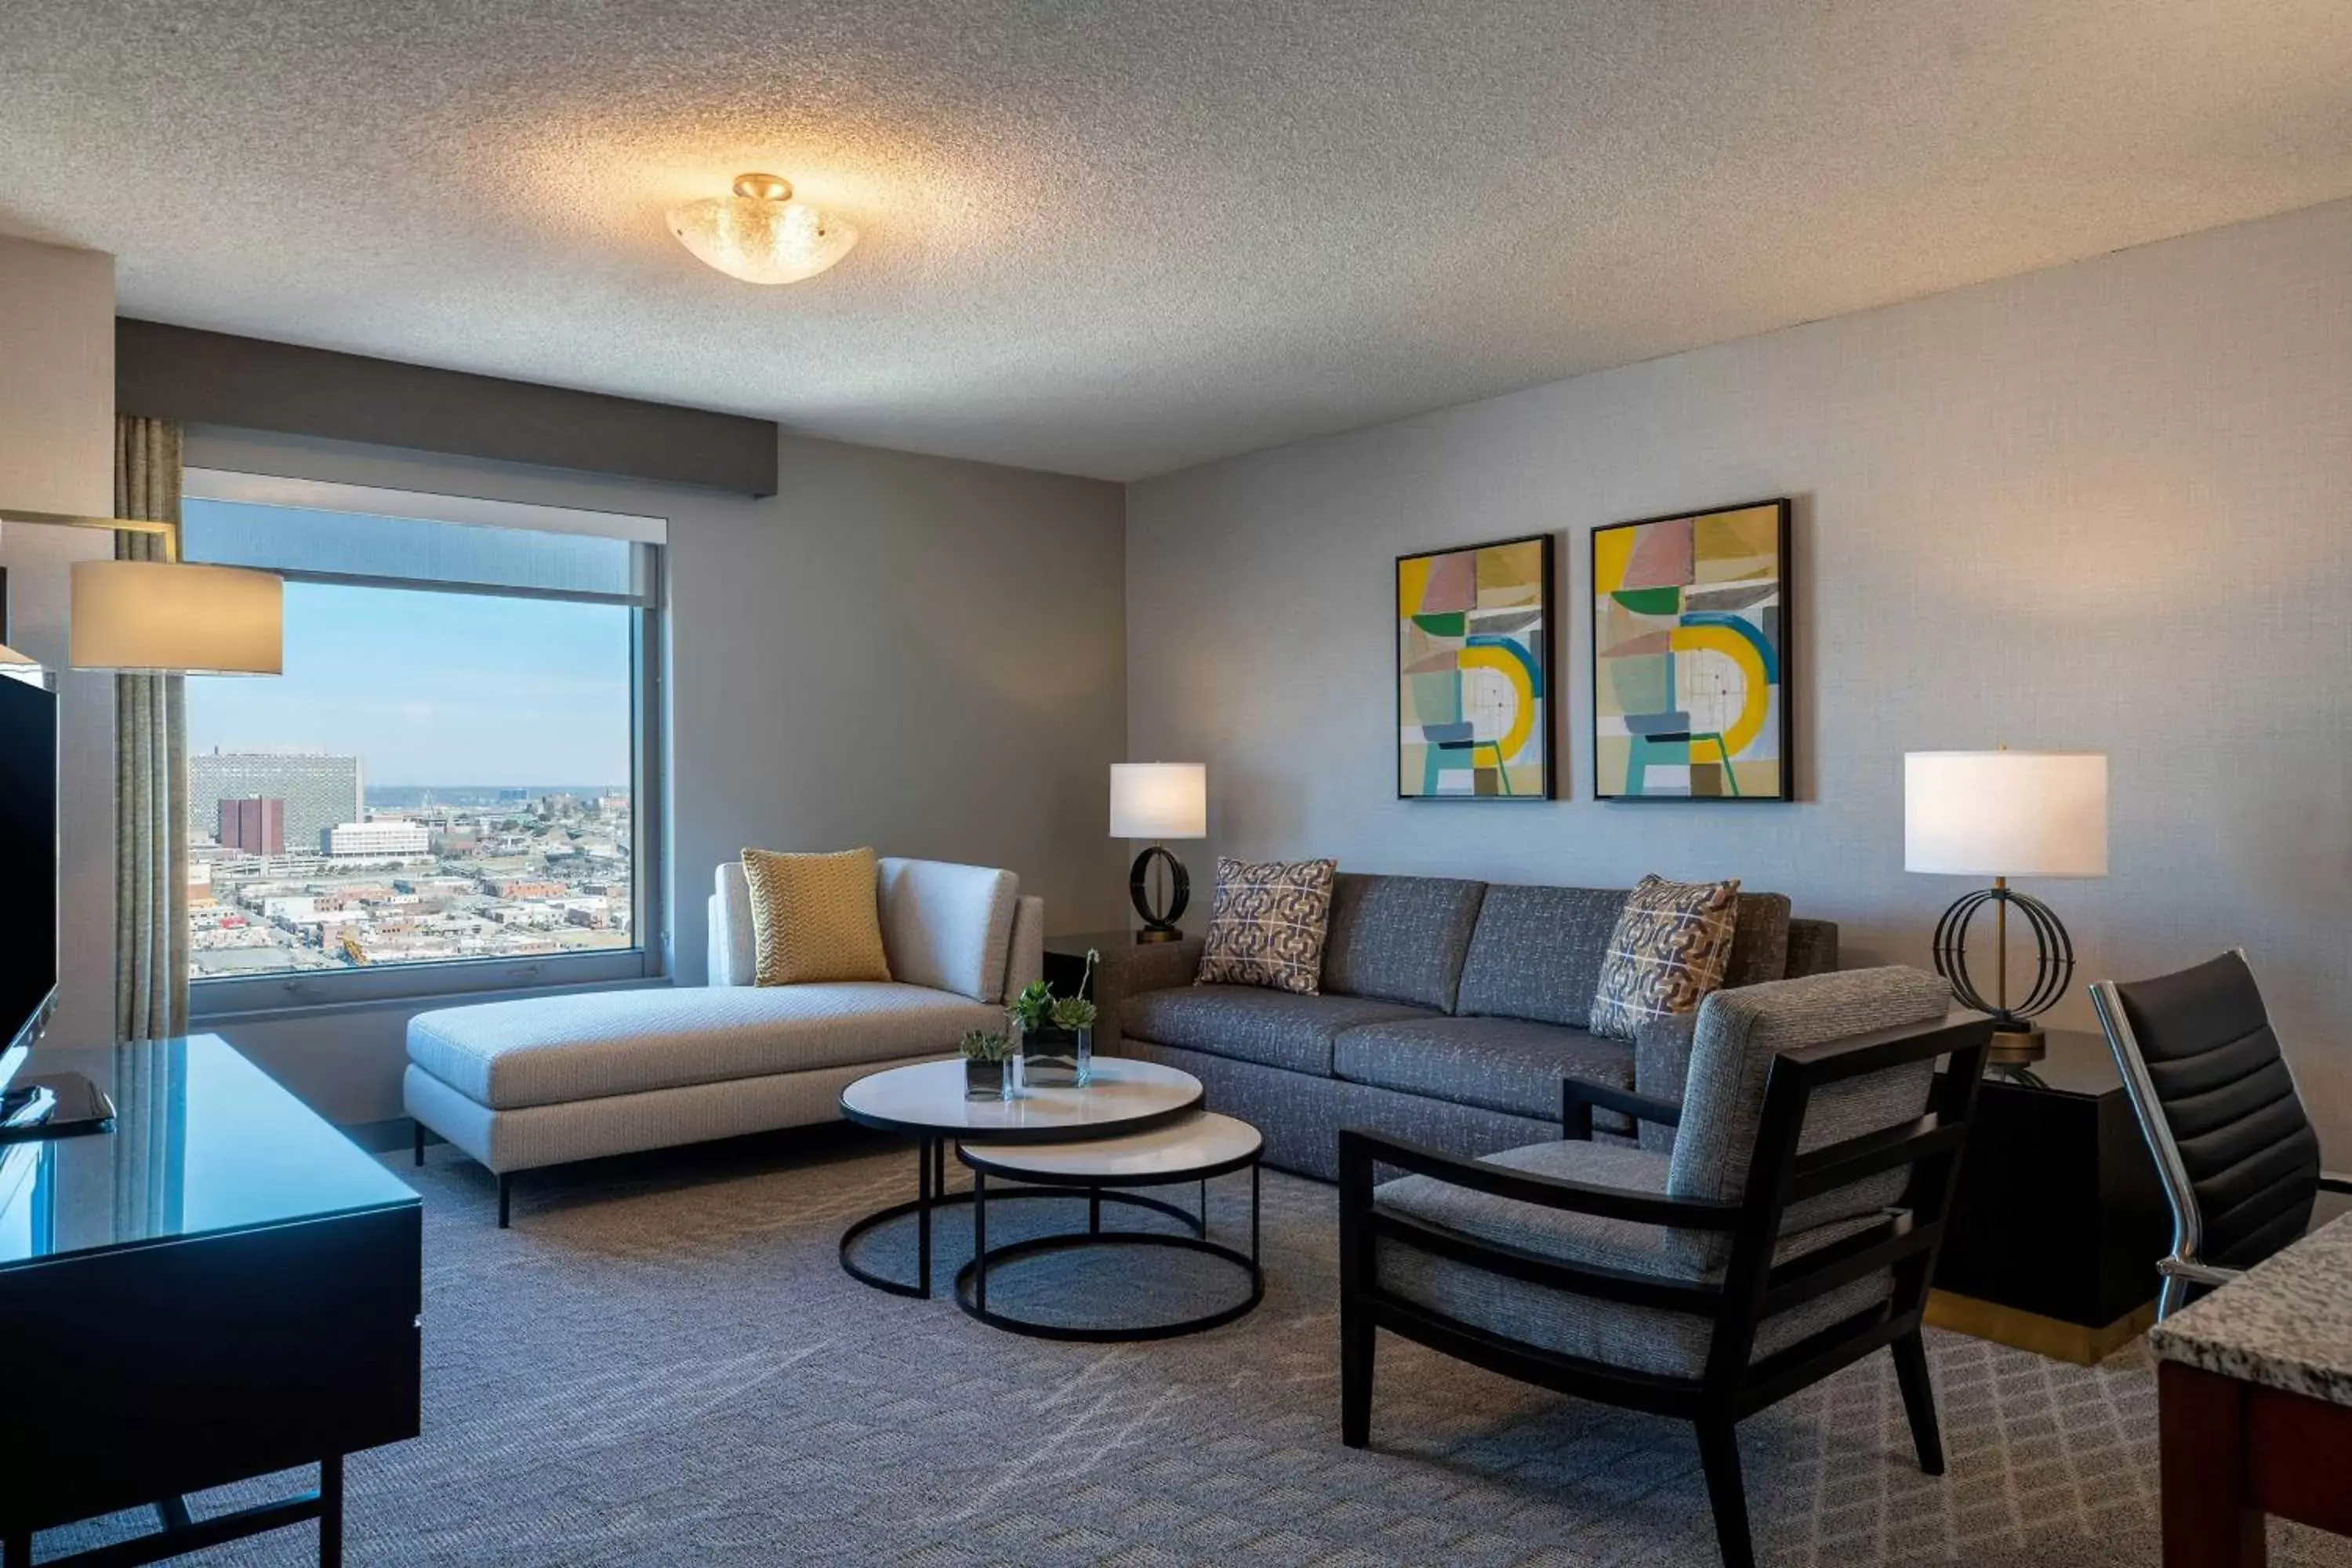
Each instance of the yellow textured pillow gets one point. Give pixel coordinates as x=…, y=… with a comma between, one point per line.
x=813, y=917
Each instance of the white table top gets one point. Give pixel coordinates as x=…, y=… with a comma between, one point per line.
x=929, y=1098
x=1174, y=1150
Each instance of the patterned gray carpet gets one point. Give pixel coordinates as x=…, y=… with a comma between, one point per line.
x=662, y=1364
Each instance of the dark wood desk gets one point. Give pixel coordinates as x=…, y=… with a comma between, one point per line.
x=221, y=1288
x=2254, y=1406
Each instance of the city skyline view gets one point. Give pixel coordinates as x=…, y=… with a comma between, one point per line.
x=387, y=801
x=436, y=689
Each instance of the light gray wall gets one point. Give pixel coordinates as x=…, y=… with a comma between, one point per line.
x=916, y=653
x=57, y=454
x=2100, y=507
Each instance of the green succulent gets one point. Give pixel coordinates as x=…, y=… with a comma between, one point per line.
x=985, y=1046
x=1033, y=1005
x=1074, y=1013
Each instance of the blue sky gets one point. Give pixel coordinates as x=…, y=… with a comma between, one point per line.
x=437, y=688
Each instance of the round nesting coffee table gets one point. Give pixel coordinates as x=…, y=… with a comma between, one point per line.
x=1198, y=1147
x=925, y=1102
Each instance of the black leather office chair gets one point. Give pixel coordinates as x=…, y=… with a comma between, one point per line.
x=2218, y=1106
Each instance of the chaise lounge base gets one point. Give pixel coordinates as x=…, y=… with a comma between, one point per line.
x=537, y=1136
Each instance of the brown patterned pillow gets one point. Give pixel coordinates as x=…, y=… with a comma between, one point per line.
x=1268, y=925
x=1672, y=944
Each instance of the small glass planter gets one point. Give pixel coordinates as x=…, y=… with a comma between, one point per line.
x=1057, y=1058
x=988, y=1080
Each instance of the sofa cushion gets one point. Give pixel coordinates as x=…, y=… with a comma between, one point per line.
x=1247, y=1023
x=1400, y=939
x=547, y=1050
x=1537, y=952
x=1760, y=941
x=1672, y=1344
x=947, y=926
x=1497, y=1064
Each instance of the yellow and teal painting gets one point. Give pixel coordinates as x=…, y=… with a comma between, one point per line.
x=1690, y=657
x=1474, y=672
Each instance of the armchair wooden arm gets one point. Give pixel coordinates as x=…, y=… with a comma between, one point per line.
x=1360, y=1151
x=1576, y=1098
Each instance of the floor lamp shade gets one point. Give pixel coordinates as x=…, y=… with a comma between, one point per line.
x=1158, y=800
x=169, y=617
x=2005, y=813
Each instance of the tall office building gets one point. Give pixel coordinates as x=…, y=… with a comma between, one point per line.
x=319, y=790
x=256, y=825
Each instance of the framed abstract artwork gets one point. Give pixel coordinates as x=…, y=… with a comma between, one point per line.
x=1474, y=672
x=1690, y=657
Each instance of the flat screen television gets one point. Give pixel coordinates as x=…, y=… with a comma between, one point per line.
x=28, y=865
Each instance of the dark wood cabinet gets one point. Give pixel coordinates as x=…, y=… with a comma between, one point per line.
x=222, y=1287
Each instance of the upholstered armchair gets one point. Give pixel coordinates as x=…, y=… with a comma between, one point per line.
x=1787, y=1228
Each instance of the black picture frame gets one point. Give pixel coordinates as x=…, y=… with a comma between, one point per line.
x=1789, y=665
x=1545, y=649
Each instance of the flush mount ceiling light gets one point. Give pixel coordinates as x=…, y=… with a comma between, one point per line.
x=760, y=234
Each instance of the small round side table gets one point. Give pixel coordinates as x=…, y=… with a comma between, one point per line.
x=1199, y=1147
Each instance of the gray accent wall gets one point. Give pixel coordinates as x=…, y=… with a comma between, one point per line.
x=2100, y=507
x=57, y=454
x=922, y=654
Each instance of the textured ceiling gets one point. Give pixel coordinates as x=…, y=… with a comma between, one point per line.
x=1117, y=238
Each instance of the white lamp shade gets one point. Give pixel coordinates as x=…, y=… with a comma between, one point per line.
x=2005, y=813
x=166, y=616
x=1158, y=800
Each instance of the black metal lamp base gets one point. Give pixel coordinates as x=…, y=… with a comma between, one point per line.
x=1159, y=917
x=2016, y=1039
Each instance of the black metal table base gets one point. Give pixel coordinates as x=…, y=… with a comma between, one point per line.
x=181, y=1533
x=972, y=1279
x=933, y=1197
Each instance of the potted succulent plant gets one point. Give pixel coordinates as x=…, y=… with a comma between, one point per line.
x=1057, y=1032
x=987, y=1065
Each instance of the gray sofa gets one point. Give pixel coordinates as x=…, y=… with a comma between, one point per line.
x=1450, y=1011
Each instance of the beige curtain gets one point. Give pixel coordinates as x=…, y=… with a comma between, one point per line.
x=151, y=770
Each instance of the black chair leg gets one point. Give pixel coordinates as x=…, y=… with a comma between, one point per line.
x=506, y=1190
x=1727, y=1494
x=1356, y=1337
x=1919, y=1400
x=420, y=1142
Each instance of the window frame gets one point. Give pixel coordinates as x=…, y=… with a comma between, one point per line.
x=228, y=998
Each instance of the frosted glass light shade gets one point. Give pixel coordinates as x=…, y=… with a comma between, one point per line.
x=1158, y=800
x=2005, y=813
x=166, y=616
x=760, y=234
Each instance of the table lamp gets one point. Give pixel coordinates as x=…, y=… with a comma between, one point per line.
x=2001, y=815
x=1159, y=801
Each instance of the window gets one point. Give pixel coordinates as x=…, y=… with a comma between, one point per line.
x=450, y=788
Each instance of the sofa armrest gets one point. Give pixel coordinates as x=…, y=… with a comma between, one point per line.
x=1132, y=970
x=1025, y=958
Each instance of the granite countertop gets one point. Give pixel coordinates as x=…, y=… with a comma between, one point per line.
x=2288, y=1324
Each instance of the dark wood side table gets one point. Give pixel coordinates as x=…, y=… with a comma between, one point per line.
x=2058, y=1220
x=1066, y=956
x=221, y=1288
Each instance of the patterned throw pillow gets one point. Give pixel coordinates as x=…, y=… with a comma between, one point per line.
x=1672, y=944
x=814, y=917
x=1268, y=925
